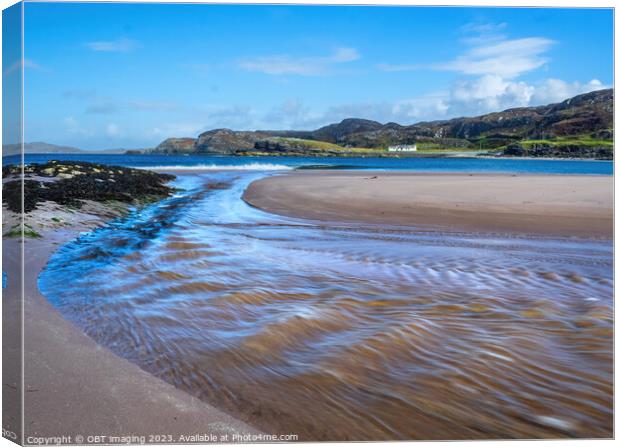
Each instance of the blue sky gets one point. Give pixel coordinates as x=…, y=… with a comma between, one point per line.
x=123, y=75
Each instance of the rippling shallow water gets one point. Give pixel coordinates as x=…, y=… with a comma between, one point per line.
x=349, y=332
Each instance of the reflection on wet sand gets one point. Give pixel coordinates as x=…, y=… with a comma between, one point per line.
x=350, y=332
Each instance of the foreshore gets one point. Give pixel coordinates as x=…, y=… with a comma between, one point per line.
x=73, y=386
x=562, y=205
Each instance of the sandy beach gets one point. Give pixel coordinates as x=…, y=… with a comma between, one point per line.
x=563, y=205
x=218, y=266
x=74, y=386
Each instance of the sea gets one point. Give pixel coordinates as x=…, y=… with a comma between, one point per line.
x=455, y=164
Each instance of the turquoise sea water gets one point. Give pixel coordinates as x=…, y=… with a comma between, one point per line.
x=271, y=163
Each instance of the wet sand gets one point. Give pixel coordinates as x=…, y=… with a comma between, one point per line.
x=71, y=378
x=350, y=331
x=72, y=384
x=564, y=205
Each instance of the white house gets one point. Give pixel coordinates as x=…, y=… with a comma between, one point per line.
x=403, y=148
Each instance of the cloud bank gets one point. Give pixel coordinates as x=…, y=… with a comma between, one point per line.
x=489, y=70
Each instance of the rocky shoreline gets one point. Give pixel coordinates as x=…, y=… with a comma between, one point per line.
x=563, y=151
x=55, y=193
x=72, y=183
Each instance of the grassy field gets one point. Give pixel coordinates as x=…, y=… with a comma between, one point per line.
x=579, y=140
x=424, y=148
x=324, y=145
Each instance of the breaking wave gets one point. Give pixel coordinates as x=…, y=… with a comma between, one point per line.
x=216, y=167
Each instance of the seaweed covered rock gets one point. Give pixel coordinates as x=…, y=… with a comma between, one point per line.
x=68, y=183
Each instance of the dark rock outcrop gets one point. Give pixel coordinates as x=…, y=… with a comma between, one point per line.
x=291, y=146
x=176, y=146
x=603, y=134
x=539, y=150
x=68, y=183
x=226, y=141
x=272, y=146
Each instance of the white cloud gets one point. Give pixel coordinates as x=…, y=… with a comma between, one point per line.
x=556, y=90
x=490, y=68
x=493, y=93
x=506, y=58
x=123, y=45
x=305, y=66
x=421, y=108
x=488, y=93
x=488, y=53
x=344, y=55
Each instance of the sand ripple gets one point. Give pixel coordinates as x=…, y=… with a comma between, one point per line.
x=352, y=332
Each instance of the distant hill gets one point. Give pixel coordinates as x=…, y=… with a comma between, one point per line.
x=39, y=148
x=47, y=148
x=583, y=121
